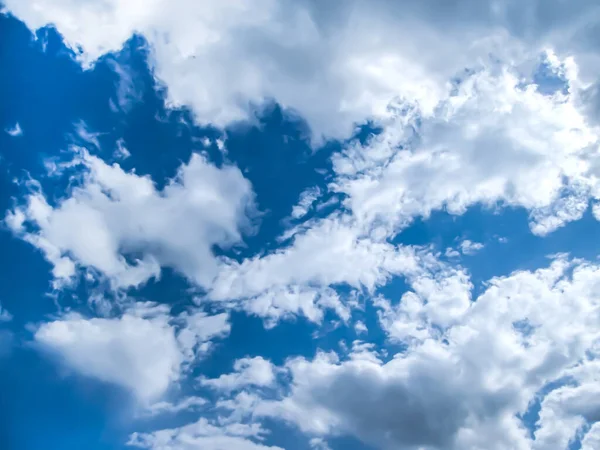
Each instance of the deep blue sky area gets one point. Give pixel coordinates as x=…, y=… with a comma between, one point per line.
x=45, y=404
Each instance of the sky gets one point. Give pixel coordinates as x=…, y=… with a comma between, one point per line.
x=300, y=225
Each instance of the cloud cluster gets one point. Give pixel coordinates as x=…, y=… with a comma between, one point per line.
x=467, y=385
x=144, y=351
x=336, y=64
x=205, y=435
x=495, y=140
x=462, y=121
x=120, y=225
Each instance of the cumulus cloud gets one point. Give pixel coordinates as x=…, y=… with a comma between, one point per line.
x=247, y=372
x=300, y=278
x=115, y=214
x=468, y=247
x=142, y=351
x=467, y=386
x=493, y=141
x=307, y=198
x=461, y=122
x=335, y=64
x=206, y=435
x=338, y=253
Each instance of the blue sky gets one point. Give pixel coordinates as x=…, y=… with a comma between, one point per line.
x=279, y=225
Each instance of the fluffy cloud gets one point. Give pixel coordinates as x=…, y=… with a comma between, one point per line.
x=247, y=372
x=205, y=435
x=142, y=350
x=468, y=247
x=165, y=407
x=462, y=123
x=495, y=140
x=114, y=214
x=465, y=386
x=336, y=64
x=592, y=438
x=330, y=251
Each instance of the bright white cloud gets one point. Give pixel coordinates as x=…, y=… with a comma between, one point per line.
x=468, y=247
x=307, y=198
x=139, y=354
x=114, y=214
x=247, y=372
x=199, y=329
x=336, y=64
x=142, y=351
x=300, y=278
x=493, y=141
x=331, y=251
x=360, y=327
x=451, y=138
x=205, y=435
x=591, y=440
x=164, y=407
x=464, y=386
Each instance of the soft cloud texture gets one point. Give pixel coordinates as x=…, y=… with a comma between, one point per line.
x=493, y=141
x=247, y=372
x=141, y=351
x=464, y=386
x=461, y=117
x=335, y=64
x=205, y=435
x=125, y=213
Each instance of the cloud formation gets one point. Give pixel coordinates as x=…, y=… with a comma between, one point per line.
x=491, y=104
x=335, y=64
x=126, y=215
x=466, y=385
x=142, y=351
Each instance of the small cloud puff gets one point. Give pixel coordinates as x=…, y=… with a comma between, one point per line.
x=468, y=247
x=14, y=131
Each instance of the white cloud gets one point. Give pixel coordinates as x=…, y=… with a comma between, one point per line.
x=319, y=444
x=360, y=327
x=301, y=277
x=142, y=350
x=125, y=214
x=450, y=140
x=495, y=141
x=468, y=247
x=5, y=316
x=336, y=64
x=332, y=251
x=591, y=440
x=14, y=131
x=439, y=298
x=164, y=407
x=139, y=354
x=451, y=253
x=205, y=435
x=128, y=87
x=307, y=198
x=199, y=329
x=255, y=372
x=465, y=386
